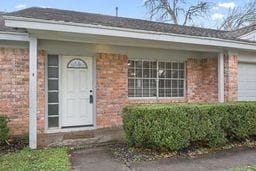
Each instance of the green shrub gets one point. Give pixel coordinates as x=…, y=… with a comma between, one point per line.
x=176, y=127
x=3, y=128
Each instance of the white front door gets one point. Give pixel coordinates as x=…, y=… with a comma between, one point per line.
x=77, y=107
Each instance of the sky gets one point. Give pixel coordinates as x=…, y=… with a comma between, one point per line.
x=127, y=8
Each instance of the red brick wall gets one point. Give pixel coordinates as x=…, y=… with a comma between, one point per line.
x=14, y=88
x=231, y=77
x=112, y=88
x=41, y=92
x=202, y=86
x=202, y=80
x=14, y=81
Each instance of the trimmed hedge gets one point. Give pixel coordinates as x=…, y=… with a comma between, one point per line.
x=3, y=128
x=176, y=127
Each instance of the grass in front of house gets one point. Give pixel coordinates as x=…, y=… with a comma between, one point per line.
x=55, y=159
x=248, y=168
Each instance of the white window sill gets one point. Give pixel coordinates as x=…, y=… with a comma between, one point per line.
x=159, y=98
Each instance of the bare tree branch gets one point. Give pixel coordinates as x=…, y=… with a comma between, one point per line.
x=196, y=10
x=176, y=11
x=240, y=16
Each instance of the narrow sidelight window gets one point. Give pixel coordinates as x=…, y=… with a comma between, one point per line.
x=155, y=78
x=53, y=91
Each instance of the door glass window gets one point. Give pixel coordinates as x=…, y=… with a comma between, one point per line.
x=77, y=63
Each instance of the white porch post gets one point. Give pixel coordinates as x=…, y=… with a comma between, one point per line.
x=221, y=77
x=33, y=93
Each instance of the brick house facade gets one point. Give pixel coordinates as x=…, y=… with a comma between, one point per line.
x=14, y=89
x=112, y=89
x=62, y=74
x=231, y=77
x=202, y=80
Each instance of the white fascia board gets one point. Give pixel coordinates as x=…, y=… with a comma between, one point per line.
x=14, y=36
x=62, y=26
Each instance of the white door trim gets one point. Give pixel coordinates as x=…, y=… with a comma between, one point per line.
x=59, y=129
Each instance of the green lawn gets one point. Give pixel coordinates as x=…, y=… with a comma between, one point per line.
x=248, y=168
x=52, y=159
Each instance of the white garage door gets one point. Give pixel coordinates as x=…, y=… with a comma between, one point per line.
x=246, y=82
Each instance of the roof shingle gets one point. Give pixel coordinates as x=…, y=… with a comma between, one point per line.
x=7, y=29
x=122, y=22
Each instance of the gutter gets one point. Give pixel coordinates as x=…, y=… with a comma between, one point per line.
x=14, y=36
x=62, y=26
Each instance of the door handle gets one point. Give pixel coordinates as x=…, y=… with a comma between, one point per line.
x=91, y=98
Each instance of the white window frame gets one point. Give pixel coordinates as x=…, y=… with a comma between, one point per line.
x=157, y=81
x=59, y=128
x=46, y=94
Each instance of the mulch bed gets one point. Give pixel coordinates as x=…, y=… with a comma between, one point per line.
x=13, y=145
x=129, y=155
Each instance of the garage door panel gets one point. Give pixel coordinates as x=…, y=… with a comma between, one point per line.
x=249, y=78
x=248, y=93
x=248, y=85
x=246, y=82
x=246, y=98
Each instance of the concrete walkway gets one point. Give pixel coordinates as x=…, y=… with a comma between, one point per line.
x=100, y=159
